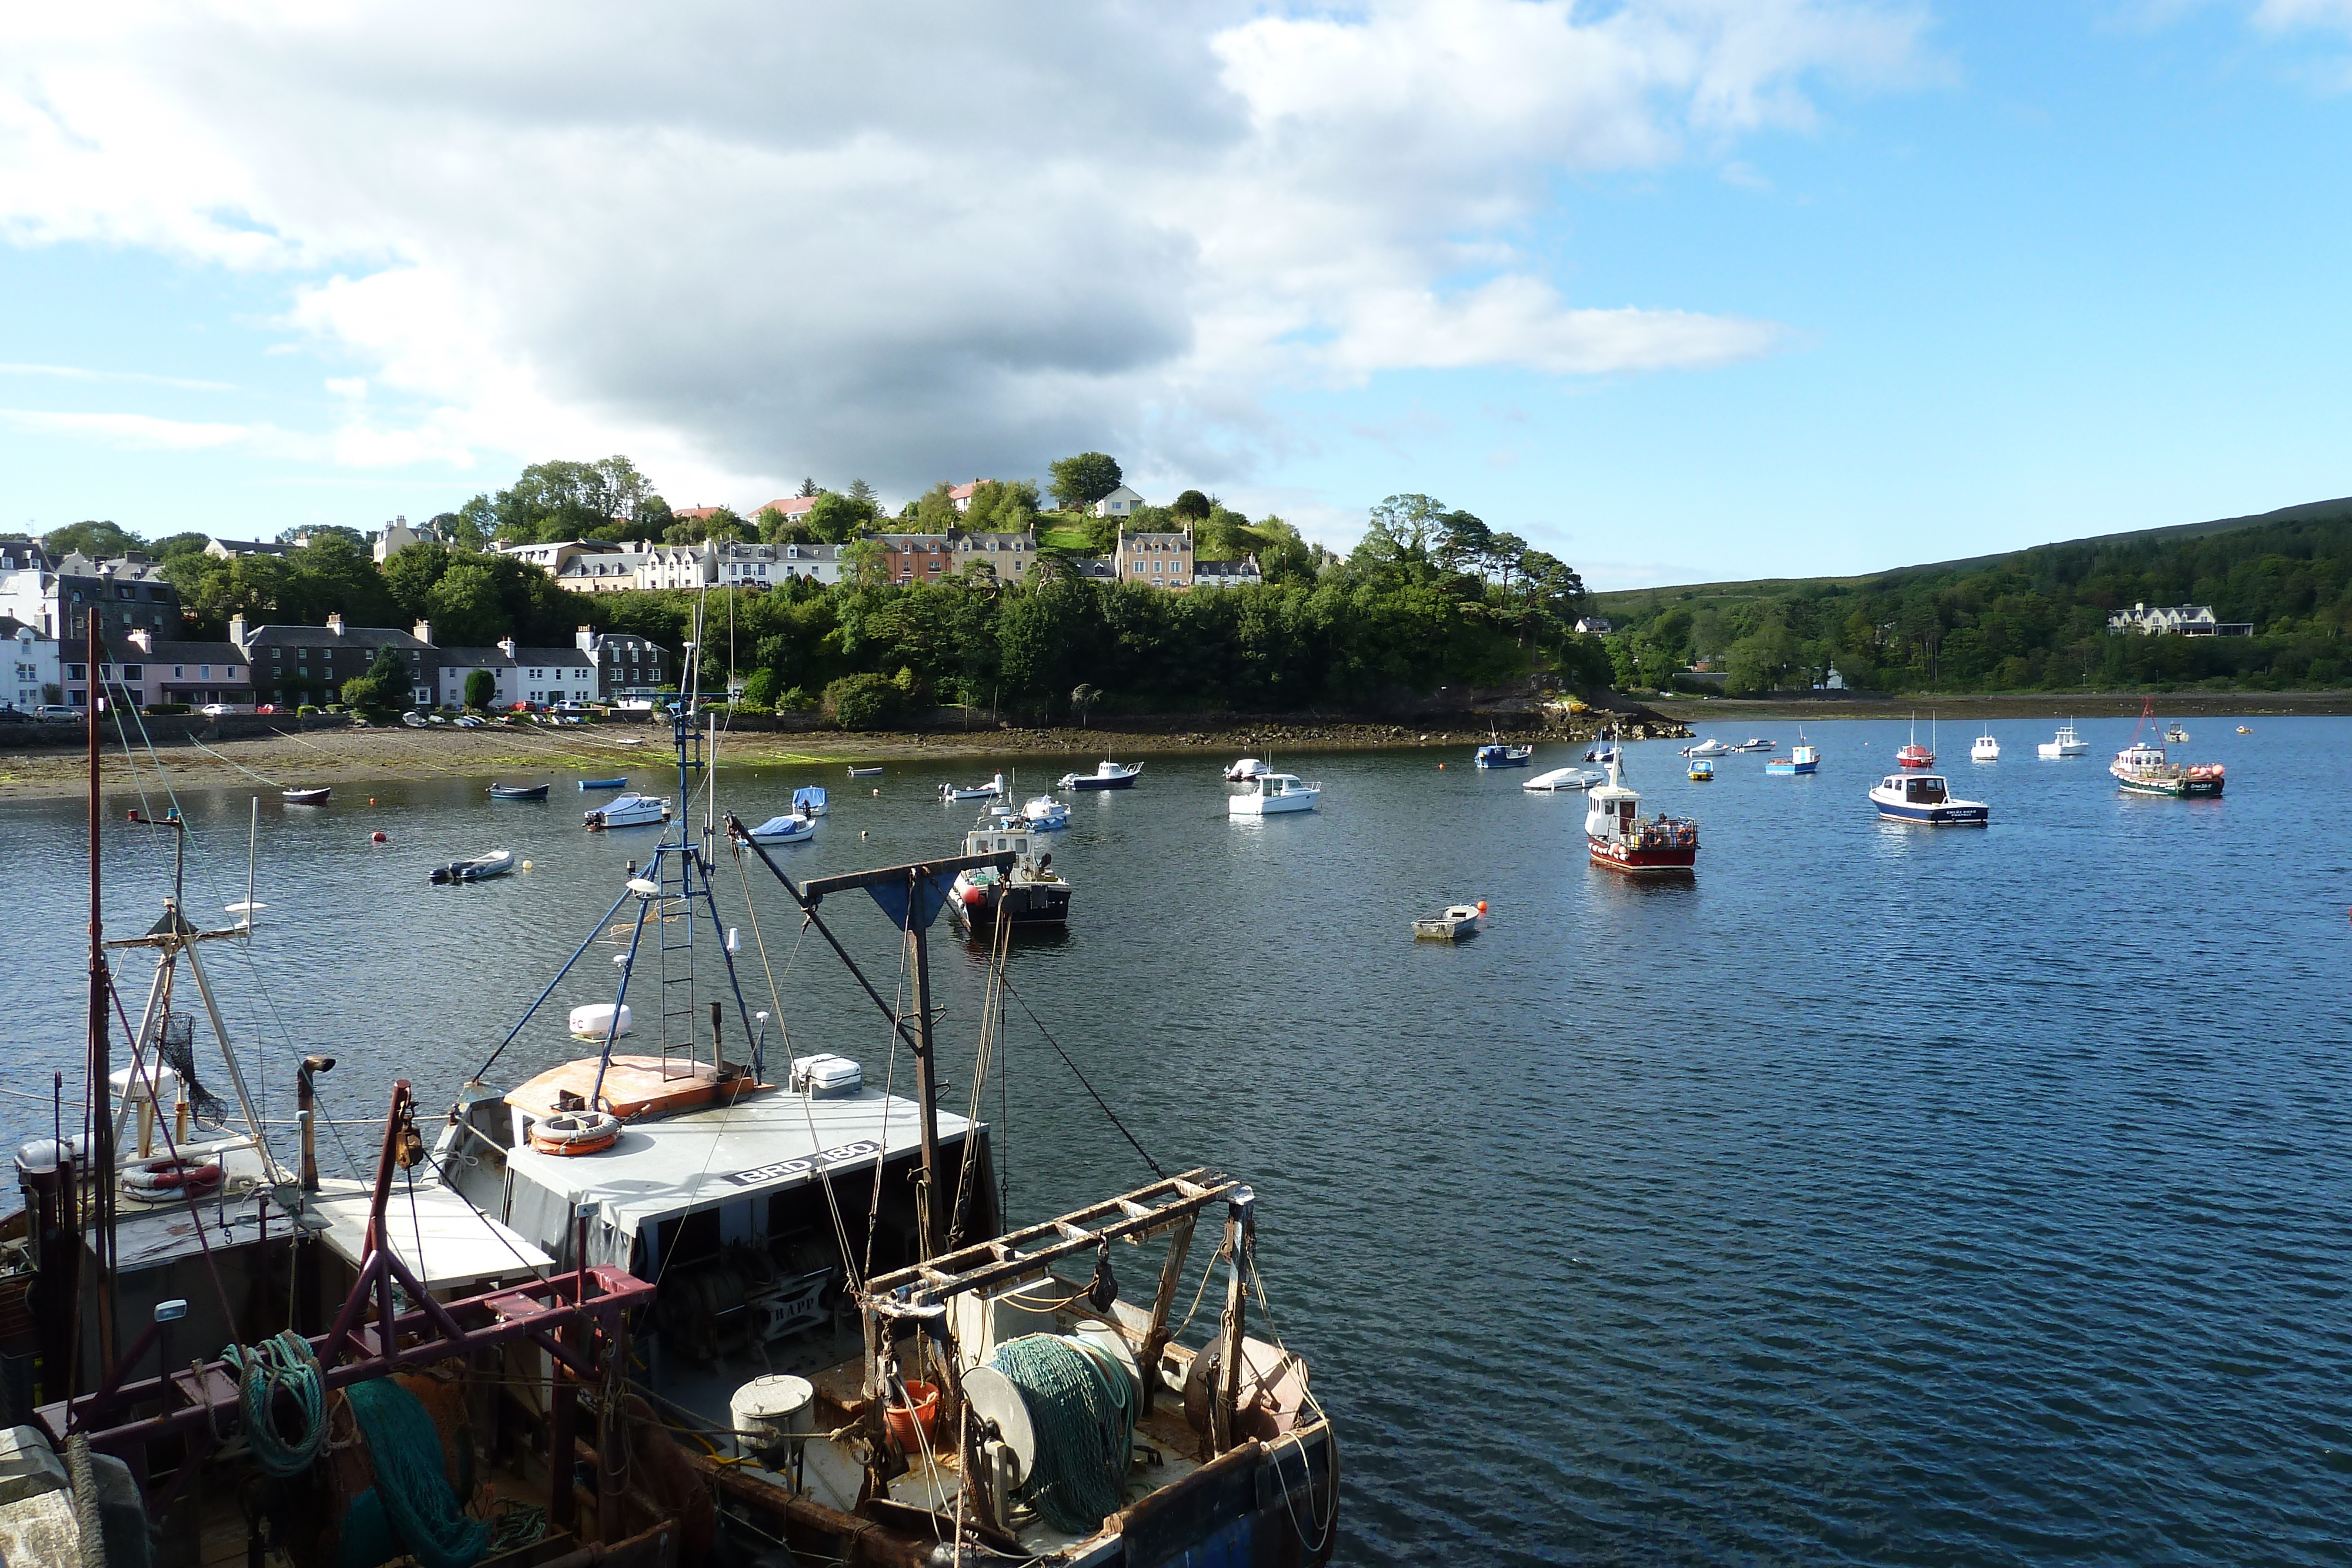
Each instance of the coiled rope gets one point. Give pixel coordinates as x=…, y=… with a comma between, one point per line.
x=284, y=1362
x=1082, y=1405
x=412, y=1489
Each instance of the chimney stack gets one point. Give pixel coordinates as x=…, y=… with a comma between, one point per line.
x=507, y=646
x=237, y=629
x=335, y=623
x=422, y=633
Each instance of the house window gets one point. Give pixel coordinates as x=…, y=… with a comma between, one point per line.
x=134, y=672
x=178, y=671
x=203, y=672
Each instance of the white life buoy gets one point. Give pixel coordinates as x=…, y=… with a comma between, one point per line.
x=575, y=1132
x=165, y=1181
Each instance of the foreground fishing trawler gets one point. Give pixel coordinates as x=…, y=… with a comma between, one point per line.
x=2143, y=769
x=695, y=1301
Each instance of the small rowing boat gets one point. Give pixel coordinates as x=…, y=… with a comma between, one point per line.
x=483, y=866
x=588, y=784
x=306, y=797
x=865, y=773
x=518, y=791
x=1455, y=922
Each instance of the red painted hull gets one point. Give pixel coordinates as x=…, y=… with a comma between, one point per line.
x=1915, y=757
x=1663, y=860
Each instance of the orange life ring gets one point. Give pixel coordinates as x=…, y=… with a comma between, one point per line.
x=575, y=1132
x=163, y=1181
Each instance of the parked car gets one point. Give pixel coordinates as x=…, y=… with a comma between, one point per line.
x=267, y=707
x=11, y=714
x=216, y=710
x=52, y=713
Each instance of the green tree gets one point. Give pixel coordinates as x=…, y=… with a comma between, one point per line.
x=808, y=489
x=1001, y=506
x=776, y=529
x=569, y=500
x=410, y=574
x=170, y=545
x=862, y=492
x=760, y=689
x=384, y=685
x=481, y=690
x=1191, y=504
x=863, y=701
x=1083, y=480
x=1083, y=698
x=836, y=518
x=99, y=541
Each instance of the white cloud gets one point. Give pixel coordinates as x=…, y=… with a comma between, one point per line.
x=132, y=430
x=743, y=243
x=2279, y=16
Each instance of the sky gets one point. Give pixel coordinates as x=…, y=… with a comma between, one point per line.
x=1679, y=290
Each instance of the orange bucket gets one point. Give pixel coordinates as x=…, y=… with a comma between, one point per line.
x=904, y=1421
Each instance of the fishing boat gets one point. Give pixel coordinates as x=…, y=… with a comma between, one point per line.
x=481, y=868
x=620, y=783
x=1617, y=838
x=623, y=1253
x=1248, y=767
x=1803, y=758
x=988, y=791
x=626, y=811
x=2176, y=734
x=518, y=791
x=1274, y=794
x=1494, y=754
x=1985, y=749
x=1912, y=753
x=2143, y=769
x=1107, y=775
x=1708, y=748
x=2066, y=744
x=1702, y=771
x=865, y=773
x=1455, y=922
x=1020, y=889
x=811, y=800
x=1923, y=798
x=1046, y=814
x=317, y=797
x=788, y=828
x=1756, y=743
x=1560, y=778
x=1603, y=755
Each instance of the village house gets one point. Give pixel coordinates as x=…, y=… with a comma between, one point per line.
x=960, y=495
x=625, y=662
x=1163, y=560
x=51, y=595
x=1011, y=554
x=915, y=558
x=603, y=574
x=791, y=508
x=552, y=558
x=1120, y=503
x=30, y=677
x=521, y=674
x=2177, y=619
x=144, y=670
x=310, y=663
x=1242, y=573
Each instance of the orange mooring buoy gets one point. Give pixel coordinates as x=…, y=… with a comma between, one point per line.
x=370, y=800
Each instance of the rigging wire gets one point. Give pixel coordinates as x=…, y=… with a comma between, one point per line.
x=1081, y=1077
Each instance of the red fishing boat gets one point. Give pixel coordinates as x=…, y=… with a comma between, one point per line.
x=1616, y=836
x=1916, y=754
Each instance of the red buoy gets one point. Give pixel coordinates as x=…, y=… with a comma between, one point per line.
x=377, y=837
x=973, y=898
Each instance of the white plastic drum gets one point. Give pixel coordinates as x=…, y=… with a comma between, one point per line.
x=594, y=1022
x=770, y=1411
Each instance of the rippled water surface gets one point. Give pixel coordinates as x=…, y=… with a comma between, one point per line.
x=1885, y=1194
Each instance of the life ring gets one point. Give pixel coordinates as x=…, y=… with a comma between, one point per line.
x=167, y=1180
x=575, y=1132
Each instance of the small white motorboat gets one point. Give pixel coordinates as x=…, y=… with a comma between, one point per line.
x=808, y=800
x=988, y=791
x=789, y=828
x=2177, y=733
x=1046, y=814
x=1563, y=779
x=1756, y=743
x=1107, y=775
x=1986, y=749
x=1708, y=748
x=1247, y=768
x=1275, y=793
x=627, y=811
x=865, y=773
x=480, y=868
x=1451, y=924
x=1923, y=799
x=2067, y=744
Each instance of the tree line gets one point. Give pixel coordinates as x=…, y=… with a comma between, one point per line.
x=2033, y=620
x=1431, y=597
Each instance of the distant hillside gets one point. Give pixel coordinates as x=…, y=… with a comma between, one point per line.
x=2023, y=621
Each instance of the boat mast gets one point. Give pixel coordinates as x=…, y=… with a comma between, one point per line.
x=100, y=1065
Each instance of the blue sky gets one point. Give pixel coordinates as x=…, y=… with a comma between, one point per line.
x=1910, y=283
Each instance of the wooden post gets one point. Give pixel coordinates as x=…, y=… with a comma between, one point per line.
x=1155, y=1339
x=926, y=1077
x=1241, y=1239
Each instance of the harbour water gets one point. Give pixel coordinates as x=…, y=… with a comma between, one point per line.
x=1883, y=1194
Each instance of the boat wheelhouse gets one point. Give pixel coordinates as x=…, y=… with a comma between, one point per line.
x=1987, y=748
x=1924, y=798
x=1803, y=758
x=2066, y=743
x=1020, y=888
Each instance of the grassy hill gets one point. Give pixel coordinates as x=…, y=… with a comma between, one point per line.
x=2030, y=620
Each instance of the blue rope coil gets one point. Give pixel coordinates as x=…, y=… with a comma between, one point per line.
x=1082, y=1405
x=284, y=1362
